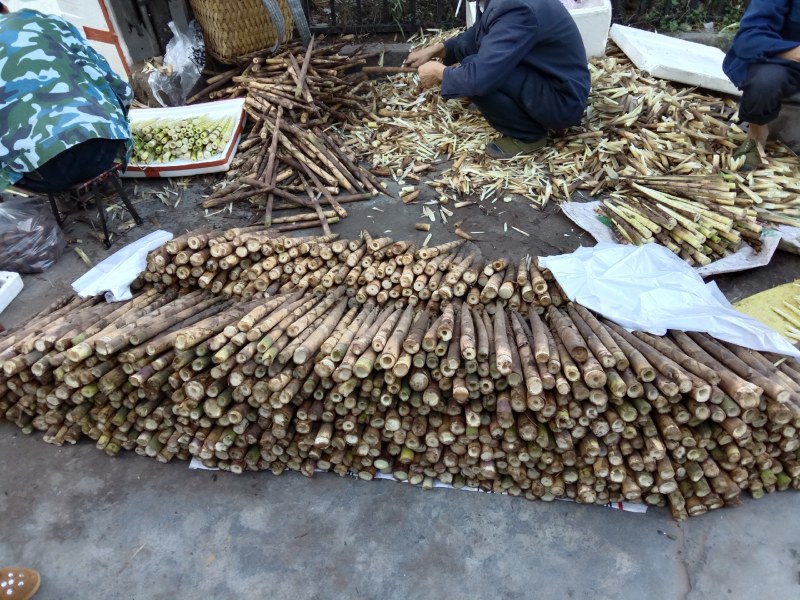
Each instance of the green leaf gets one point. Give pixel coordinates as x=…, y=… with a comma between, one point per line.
x=605, y=221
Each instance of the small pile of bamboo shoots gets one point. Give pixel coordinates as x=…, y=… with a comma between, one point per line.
x=291, y=156
x=495, y=388
x=775, y=192
x=699, y=218
x=165, y=140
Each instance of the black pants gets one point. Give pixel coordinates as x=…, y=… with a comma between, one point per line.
x=82, y=162
x=765, y=88
x=504, y=111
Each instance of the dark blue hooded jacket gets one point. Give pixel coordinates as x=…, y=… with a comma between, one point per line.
x=538, y=37
x=768, y=27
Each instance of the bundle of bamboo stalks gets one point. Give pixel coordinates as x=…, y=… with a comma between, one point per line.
x=474, y=389
x=699, y=218
x=291, y=153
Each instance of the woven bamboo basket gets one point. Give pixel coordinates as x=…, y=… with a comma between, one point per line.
x=235, y=27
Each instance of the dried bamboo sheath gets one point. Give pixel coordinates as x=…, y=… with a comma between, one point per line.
x=368, y=355
x=663, y=153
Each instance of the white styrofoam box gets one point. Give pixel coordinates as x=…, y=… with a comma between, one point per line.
x=10, y=286
x=593, y=18
x=94, y=20
x=674, y=59
x=181, y=168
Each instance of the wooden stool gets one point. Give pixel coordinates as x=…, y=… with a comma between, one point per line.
x=93, y=187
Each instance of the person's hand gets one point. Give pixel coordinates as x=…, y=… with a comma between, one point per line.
x=793, y=54
x=430, y=74
x=417, y=58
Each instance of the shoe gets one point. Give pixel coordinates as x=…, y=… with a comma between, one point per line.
x=749, y=149
x=508, y=147
x=18, y=583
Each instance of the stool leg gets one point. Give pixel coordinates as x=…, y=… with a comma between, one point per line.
x=101, y=210
x=118, y=186
x=54, y=209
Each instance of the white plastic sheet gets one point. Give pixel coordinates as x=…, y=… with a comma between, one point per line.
x=648, y=288
x=584, y=216
x=197, y=465
x=790, y=238
x=116, y=273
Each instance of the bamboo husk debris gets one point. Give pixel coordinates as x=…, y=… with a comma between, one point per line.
x=350, y=361
x=637, y=131
x=292, y=153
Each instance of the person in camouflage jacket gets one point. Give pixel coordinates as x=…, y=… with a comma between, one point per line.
x=63, y=111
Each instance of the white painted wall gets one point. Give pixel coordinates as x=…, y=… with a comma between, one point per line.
x=86, y=14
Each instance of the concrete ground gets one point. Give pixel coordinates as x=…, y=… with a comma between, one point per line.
x=131, y=528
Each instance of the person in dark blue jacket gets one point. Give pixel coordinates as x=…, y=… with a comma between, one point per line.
x=764, y=62
x=522, y=64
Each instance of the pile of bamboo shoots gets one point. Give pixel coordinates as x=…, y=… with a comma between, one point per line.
x=699, y=218
x=494, y=382
x=166, y=140
x=291, y=157
x=245, y=261
x=775, y=191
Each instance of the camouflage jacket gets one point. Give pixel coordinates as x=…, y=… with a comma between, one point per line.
x=55, y=92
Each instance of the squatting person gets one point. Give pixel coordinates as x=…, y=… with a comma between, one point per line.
x=522, y=64
x=764, y=62
x=62, y=109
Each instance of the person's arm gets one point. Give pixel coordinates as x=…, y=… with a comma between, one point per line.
x=460, y=46
x=420, y=56
x=511, y=36
x=759, y=34
x=450, y=51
